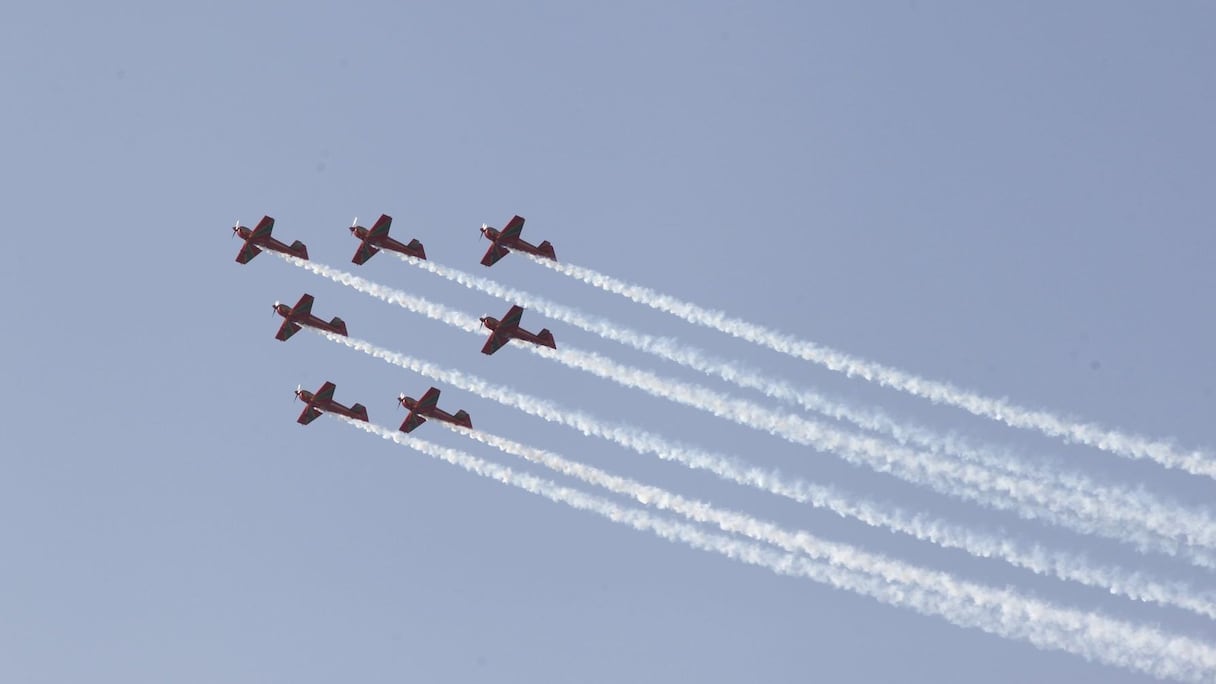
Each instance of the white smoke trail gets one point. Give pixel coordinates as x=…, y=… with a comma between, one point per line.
x=964, y=480
x=1195, y=461
x=1066, y=566
x=997, y=611
x=1172, y=532
x=1137, y=502
x=405, y=300
x=1062, y=565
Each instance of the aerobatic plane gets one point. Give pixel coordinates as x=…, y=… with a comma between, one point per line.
x=426, y=407
x=301, y=314
x=502, y=331
x=323, y=401
x=508, y=238
x=258, y=238
x=376, y=238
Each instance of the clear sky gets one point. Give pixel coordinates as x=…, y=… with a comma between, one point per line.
x=1016, y=199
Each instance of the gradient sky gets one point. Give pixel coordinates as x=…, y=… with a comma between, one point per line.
x=1014, y=199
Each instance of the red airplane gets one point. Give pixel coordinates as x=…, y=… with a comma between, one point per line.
x=258, y=238
x=323, y=401
x=301, y=314
x=426, y=407
x=508, y=327
x=376, y=239
x=509, y=237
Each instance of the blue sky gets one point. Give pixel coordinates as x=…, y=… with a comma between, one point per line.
x=1014, y=199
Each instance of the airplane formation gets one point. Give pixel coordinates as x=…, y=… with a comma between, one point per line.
x=371, y=241
x=935, y=461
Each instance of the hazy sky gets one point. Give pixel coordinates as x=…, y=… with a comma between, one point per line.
x=1015, y=199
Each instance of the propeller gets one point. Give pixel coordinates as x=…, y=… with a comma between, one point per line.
x=401, y=399
x=236, y=227
x=275, y=309
x=299, y=388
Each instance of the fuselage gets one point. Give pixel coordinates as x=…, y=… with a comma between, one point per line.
x=543, y=250
x=267, y=242
x=437, y=413
x=413, y=249
x=328, y=406
x=310, y=320
x=515, y=331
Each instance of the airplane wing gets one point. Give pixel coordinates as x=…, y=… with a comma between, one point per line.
x=365, y=252
x=495, y=343
x=286, y=331
x=493, y=254
x=247, y=252
x=514, y=314
x=326, y=393
x=262, y=230
x=412, y=421
x=513, y=228
x=429, y=401
x=303, y=308
x=308, y=415
x=381, y=228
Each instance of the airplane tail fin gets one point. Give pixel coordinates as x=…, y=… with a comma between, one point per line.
x=416, y=246
x=462, y=417
x=300, y=250
x=361, y=411
x=546, y=338
x=547, y=249
x=340, y=325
